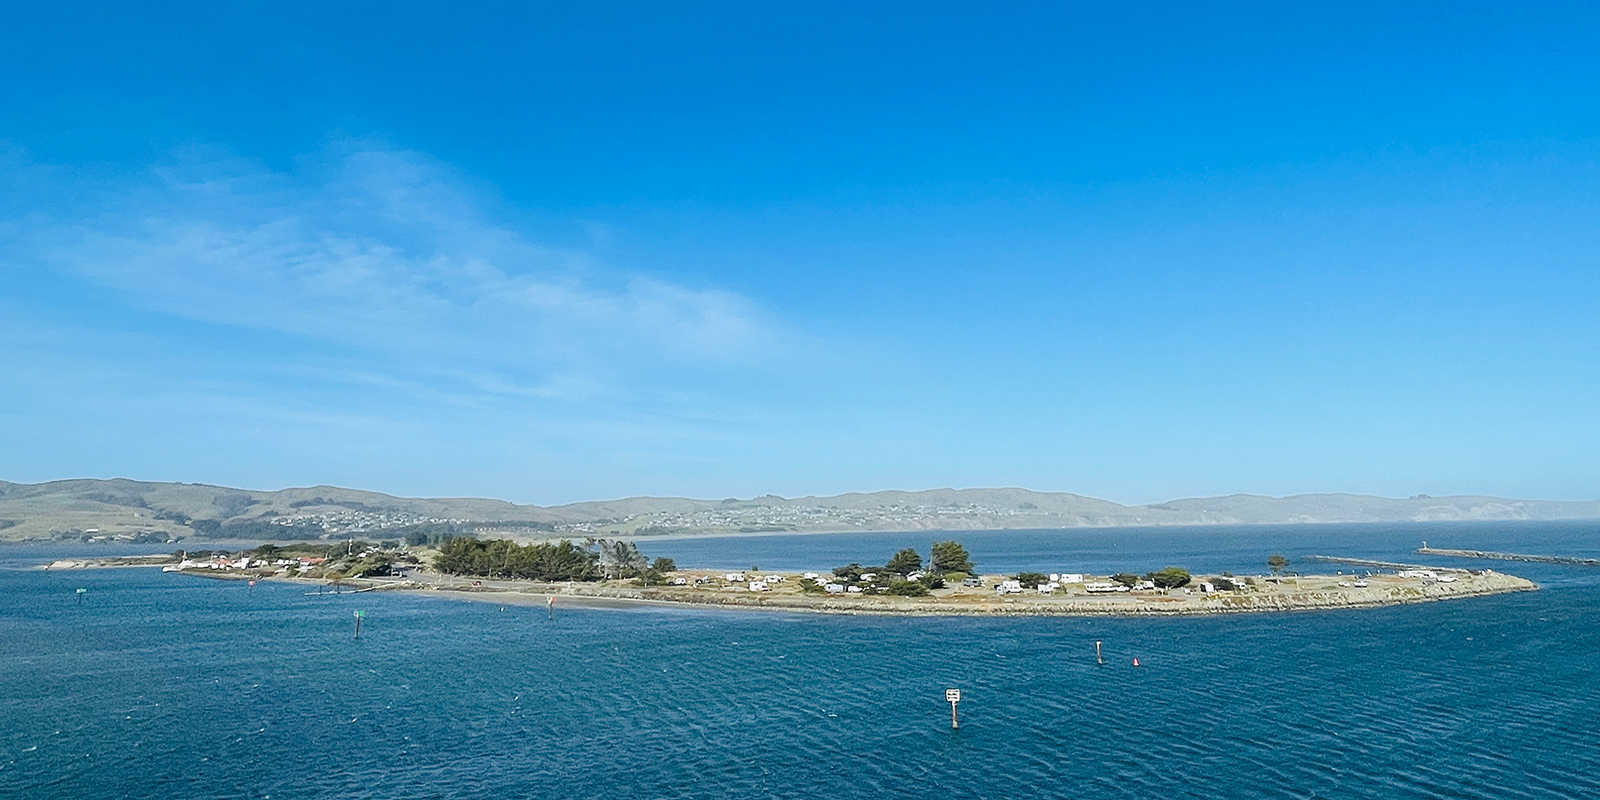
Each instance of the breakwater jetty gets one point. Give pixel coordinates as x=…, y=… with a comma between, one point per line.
x=1367, y=562
x=1488, y=554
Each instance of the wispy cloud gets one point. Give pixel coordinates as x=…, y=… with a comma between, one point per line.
x=387, y=252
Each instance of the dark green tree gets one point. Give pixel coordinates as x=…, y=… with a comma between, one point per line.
x=1031, y=579
x=1170, y=578
x=950, y=556
x=904, y=562
x=1125, y=578
x=1277, y=562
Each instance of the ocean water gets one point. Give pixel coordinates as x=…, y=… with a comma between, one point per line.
x=170, y=686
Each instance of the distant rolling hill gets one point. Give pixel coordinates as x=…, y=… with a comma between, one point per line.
x=89, y=509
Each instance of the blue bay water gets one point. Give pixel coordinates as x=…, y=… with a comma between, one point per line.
x=170, y=686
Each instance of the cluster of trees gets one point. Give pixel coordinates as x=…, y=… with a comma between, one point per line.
x=1169, y=578
x=595, y=559
x=881, y=580
x=905, y=572
x=503, y=558
x=944, y=558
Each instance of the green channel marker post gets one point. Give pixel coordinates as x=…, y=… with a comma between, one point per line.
x=359, y=616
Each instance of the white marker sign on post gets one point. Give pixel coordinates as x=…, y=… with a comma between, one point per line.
x=953, y=696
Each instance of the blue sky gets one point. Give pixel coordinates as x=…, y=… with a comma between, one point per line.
x=554, y=253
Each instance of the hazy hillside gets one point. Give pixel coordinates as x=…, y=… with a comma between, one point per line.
x=124, y=509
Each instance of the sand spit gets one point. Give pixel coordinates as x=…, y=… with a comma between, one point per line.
x=706, y=589
x=1304, y=593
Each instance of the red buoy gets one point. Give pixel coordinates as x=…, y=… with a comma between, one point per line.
x=1136, y=662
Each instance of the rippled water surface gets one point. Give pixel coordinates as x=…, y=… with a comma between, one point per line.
x=168, y=686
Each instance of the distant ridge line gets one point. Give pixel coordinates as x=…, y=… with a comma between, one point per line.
x=119, y=506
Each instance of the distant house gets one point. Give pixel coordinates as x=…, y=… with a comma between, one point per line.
x=759, y=586
x=734, y=577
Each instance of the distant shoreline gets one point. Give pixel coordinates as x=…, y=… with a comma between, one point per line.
x=104, y=510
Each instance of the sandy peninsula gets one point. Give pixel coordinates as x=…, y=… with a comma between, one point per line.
x=990, y=595
x=1300, y=593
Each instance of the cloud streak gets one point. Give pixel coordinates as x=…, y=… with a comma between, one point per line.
x=388, y=254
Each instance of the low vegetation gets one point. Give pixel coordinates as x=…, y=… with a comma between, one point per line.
x=902, y=575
